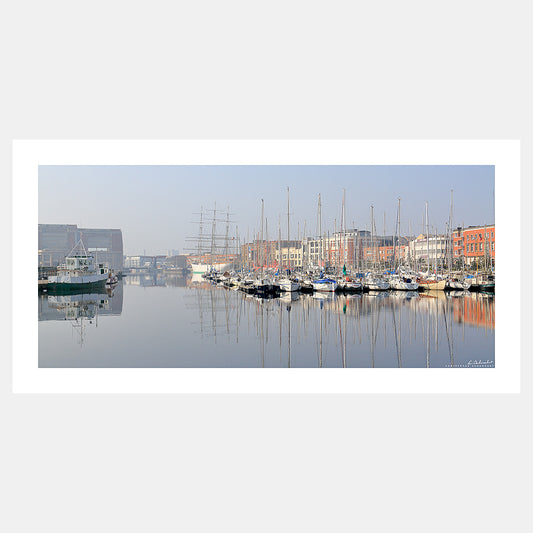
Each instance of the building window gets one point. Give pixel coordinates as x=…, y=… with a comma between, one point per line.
x=493, y=247
x=481, y=247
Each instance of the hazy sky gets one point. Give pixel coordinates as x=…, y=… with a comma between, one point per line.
x=155, y=205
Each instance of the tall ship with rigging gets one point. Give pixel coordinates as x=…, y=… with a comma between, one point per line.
x=212, y=251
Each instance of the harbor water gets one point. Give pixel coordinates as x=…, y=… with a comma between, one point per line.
x=158, y=321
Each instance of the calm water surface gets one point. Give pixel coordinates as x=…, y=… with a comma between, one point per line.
x=168, y=321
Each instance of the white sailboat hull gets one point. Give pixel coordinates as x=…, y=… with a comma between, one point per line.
x=404, y=285
x=289, y=286
x=457, y=285
x=350, y=286
x=325, y=287
x=377, y=285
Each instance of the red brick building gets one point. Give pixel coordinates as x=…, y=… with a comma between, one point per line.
x=475, y=244
x=385, y=254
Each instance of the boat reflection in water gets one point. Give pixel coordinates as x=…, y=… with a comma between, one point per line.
x=381, y=329
x=81, y=307
x=189, y=322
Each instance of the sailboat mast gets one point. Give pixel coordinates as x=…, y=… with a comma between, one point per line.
x=450, y=240
x=344, y=227
x=304, y=255
x=372, y=235
x=435, y=247
x=321, y=250
x=485, y=247
x=288, y=235
x=463, y=247
x=227, y=237
x=427, y=234
x=279, y=246
x=200, y=238
x=409, y=247
x=265, y=247
x=335, y=255
x=261, y=255
x=355, y=240
x=213, y=232
x=399, y=234
x=298, y=245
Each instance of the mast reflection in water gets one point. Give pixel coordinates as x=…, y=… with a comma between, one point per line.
x=168, y=321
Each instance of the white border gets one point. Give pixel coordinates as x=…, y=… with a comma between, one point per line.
x=28, y=378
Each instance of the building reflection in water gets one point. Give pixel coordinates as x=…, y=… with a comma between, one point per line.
x=82, y=308
x=406, y=328
x=476, y=310
x=197, y=324
x=156, y=279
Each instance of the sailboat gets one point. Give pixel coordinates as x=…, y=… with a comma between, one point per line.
x=400, y=281
x=262, y=285
x=322, y=284
x=453, y=283
x=206, y=257
x=482, y=282
x=430, y=282
x=373, y=281
x=287, y=284
x=344, y=282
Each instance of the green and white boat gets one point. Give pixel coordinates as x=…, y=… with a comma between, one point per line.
x=79, y=271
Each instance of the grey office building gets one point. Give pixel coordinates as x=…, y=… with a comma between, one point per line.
x=57, y=240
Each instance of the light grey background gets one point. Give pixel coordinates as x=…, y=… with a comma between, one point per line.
x=372, y=70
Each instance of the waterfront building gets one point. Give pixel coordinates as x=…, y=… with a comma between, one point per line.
x=146, y=262
x=436, y=245
x=258, y=251
x=337, y=249
x=475, y=245
x=333, y=250
x=176, y=261
x=355, y=248
x=293, y=251
x=386, y=252
x=57, y=240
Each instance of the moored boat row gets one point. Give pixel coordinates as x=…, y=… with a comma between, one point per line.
x=272, y=282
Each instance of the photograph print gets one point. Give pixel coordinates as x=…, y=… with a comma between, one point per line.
x=266, y=266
